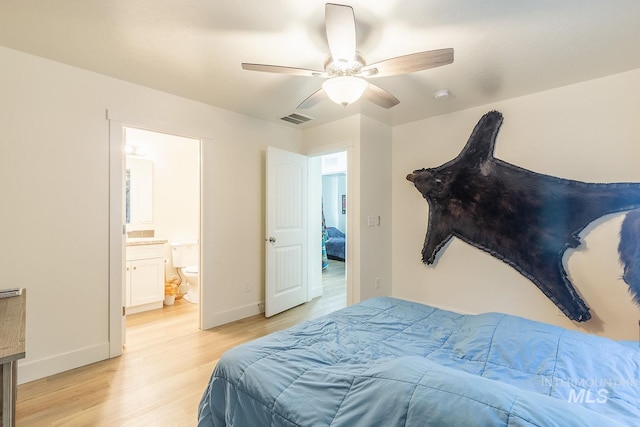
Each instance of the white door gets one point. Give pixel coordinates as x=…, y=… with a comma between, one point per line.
x=286, y=252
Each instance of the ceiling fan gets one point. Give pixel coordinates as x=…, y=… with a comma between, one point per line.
x=345, y=69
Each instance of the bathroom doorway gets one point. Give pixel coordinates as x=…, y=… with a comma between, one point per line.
x=161, y=206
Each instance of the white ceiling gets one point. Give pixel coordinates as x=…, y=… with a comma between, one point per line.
x=194, y=48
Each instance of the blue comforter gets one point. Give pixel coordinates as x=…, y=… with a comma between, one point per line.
x=336, y=244
x=388, y=362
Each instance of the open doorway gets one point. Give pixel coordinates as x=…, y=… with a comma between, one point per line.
x=162, y=215
x=334, y=225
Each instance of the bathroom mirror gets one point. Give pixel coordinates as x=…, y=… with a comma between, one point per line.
x=138, y=190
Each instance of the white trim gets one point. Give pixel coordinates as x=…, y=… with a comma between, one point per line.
x=315, y=292
x=232, y=315
x=207, y=290
x=117, y=122
x=158, y=124
x=314, y=213
x=144, y=307
x=36, y=369
x=116, y=239
x=352, y=261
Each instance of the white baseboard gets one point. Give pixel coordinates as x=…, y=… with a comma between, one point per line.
x=232, y=315
x=315, y=292
x=36, y=369
x=144, y=307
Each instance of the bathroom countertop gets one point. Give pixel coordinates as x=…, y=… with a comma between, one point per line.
x=136, y=241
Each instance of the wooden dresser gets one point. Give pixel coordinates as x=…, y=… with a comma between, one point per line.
x=12, y=348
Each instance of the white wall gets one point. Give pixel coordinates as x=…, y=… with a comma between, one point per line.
x=375, y=201
x=176, y=183
x=587, y=132
x=54, y=169
x=368, y=146
x=314, y=217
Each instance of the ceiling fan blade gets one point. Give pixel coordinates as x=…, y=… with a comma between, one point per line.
x=409, y=63
x=313, y=99
x=379, y=96
x=341, y=31
x=283, y=70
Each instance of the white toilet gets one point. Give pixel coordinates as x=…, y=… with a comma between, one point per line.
x=186, y=256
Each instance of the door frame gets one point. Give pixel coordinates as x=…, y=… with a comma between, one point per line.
x=353, y=207
x=117, y=229
x=117, y=225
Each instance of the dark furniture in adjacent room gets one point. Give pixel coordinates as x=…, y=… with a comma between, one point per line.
x=336, y=244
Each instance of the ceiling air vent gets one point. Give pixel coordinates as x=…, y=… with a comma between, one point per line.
x=296, y=119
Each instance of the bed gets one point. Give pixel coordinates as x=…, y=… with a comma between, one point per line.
x=335, y=244
x=389, y=362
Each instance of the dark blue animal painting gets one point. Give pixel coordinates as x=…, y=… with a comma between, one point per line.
x=523, y=218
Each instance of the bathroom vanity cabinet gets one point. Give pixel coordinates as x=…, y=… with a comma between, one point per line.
x=144, y=276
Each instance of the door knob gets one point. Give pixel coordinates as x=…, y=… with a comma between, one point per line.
x=272, y=239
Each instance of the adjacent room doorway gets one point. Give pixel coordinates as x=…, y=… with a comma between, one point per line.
x=334, y=212
x=296, y=261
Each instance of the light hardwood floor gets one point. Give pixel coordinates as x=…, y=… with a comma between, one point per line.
x=164, y=369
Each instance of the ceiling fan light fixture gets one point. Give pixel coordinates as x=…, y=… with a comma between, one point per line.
x=344, y=90
x=345, y=68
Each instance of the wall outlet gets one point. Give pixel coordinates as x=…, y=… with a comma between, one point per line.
x=247, y=286
x=377, y=283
